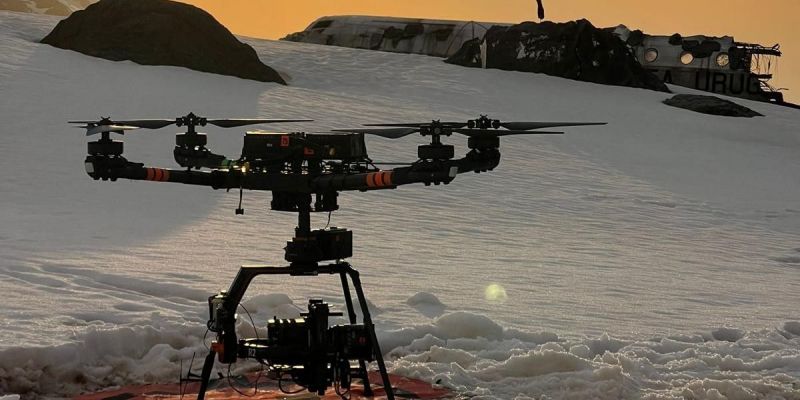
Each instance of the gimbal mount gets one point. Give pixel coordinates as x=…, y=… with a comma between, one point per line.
x=315, y=355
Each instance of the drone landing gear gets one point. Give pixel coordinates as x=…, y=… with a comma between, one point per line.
x=227, y=349
x=248, y=348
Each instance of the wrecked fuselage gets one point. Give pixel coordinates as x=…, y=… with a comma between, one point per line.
x=712, y=64
x=440, y=38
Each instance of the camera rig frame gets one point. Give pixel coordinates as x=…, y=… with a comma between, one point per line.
x=305, y=173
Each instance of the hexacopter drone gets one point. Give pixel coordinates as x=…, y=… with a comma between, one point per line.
x=305, y=173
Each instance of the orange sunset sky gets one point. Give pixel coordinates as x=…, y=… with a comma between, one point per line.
x=766, y=21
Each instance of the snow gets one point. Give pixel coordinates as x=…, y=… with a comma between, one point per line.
x=52, y=7
x=652, y=258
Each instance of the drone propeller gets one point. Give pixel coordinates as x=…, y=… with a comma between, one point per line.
x=148, y=123
x=482, y=126
x=93, y=129
x=396, y=133
x=237, y=122
x=502, y=132
x=190, y=121
x=443, y=124
x=137, y=123
x=526, y=126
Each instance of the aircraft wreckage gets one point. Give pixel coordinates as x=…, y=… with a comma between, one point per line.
x=714, y=64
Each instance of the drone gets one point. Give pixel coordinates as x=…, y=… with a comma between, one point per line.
x=305, y=173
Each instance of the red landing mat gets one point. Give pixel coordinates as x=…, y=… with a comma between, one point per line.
x=219, y=389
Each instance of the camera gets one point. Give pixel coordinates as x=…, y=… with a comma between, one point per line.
x=314, y=354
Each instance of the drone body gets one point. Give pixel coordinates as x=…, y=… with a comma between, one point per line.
x=299, y=164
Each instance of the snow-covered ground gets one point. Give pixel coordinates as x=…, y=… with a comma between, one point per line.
x=657, y=257
x=51, y=7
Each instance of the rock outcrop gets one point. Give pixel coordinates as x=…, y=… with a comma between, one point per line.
x=574, y=50
x=711, y=105
x=159, y=32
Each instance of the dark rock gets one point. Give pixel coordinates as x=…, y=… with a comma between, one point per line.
x=574, y=50
x=159, y=32
x=636, y=38
x=710, y=105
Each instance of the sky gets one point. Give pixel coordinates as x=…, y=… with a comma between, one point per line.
x=766, y=21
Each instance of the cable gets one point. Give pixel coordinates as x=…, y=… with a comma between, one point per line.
x=234, y=387
x=255, y=384
x=337, y=388
x=251, y=320
x=261, y=364
x=280, y=386
x=329, y=220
